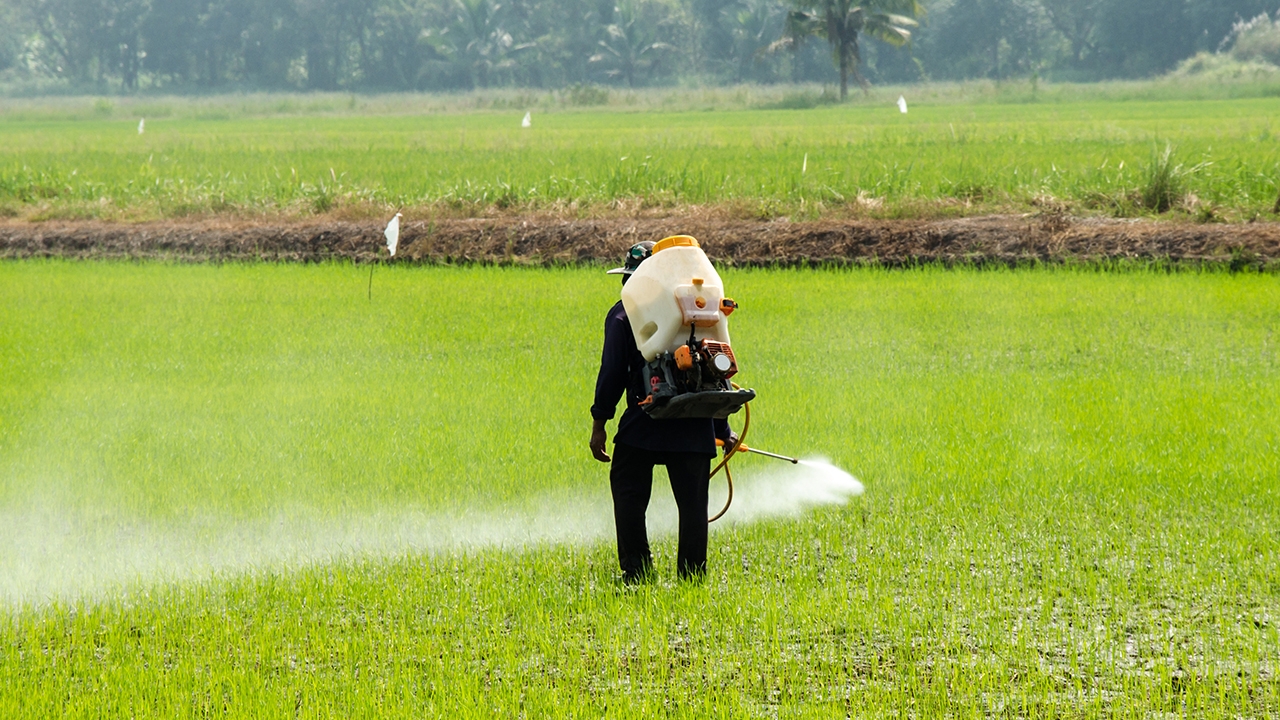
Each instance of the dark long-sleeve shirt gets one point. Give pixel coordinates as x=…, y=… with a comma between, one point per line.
x=622, y=370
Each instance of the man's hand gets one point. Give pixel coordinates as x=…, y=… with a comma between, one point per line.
x=731, y=443
x=598, y=440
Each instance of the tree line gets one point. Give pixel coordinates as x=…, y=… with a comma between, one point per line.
x=375, y=45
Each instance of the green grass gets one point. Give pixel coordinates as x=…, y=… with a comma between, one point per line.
x=951, y=155
x=1071, y=505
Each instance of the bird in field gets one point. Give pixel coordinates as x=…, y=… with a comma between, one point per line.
x=527, y=121
x=902, y=104
x=392, y=234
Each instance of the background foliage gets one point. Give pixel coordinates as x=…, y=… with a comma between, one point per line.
x=368, y=45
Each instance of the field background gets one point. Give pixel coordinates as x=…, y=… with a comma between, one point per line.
x=962, y=150
x=1071, y=505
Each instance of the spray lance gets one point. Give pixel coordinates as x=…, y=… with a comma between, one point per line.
x=743, y=448
x=676, y=291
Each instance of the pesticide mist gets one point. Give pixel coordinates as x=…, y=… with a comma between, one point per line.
x=51, y=552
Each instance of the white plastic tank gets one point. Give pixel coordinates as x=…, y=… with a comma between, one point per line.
x=674, y=287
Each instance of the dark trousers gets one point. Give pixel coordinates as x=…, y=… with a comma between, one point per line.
x=631, y=479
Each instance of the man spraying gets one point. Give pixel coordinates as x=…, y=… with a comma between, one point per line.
x=686, y=446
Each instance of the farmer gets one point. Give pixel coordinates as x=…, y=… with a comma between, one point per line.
x=685, y=446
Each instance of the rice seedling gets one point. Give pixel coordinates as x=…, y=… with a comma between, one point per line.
x=944, y=158
x=247, y=490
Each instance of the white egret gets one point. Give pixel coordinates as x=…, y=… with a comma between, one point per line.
x=392, y=234
x=902, y=104
x=528, y=120
x=142, y=125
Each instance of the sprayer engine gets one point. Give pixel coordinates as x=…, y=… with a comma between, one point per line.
x=679, y=315
x=693, y=381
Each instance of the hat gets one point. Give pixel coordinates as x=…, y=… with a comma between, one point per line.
x=636, y=255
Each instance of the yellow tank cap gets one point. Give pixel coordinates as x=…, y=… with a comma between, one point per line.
x=675, y=241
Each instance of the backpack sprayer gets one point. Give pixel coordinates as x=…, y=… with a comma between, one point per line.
x=680, y=318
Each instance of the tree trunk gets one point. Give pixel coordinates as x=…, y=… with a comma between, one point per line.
x=856, y=55
x=844, y=76
x=130, y=67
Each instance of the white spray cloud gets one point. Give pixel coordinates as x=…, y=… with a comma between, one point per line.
x=48, y=552
x=785, y=489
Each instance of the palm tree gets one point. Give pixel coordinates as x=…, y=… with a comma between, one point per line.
x=632, y=46
x=841, y=21
x=476, y=42
x=750, y=24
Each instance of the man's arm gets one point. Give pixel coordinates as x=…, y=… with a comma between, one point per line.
x=599, y=438
x=611, y=382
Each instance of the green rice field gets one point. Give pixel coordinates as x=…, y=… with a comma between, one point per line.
x=1088, y=155
x=250, y=491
